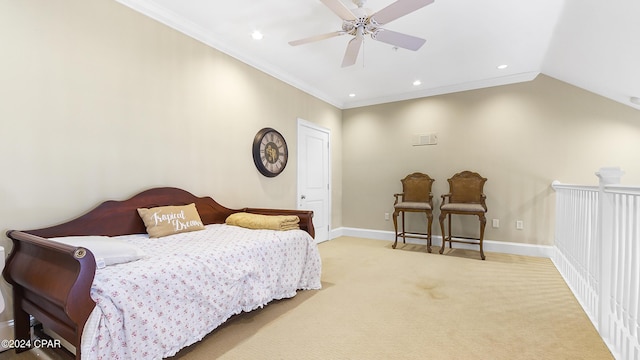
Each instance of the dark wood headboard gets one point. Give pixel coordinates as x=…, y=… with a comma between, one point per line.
x=114, y=218
x=52, y=281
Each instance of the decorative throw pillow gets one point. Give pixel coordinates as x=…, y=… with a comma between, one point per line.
x=168, y=220
x=107, y=251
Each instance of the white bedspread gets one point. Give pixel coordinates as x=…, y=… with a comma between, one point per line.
x=191, y=283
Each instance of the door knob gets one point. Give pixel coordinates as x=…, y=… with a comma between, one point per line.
x=302, y=197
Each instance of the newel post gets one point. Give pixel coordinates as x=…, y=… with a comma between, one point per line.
x=606, y=235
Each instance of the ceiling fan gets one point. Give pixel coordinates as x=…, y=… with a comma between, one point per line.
x=360, y=22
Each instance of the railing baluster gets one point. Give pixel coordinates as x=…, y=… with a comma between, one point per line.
x=598, y=254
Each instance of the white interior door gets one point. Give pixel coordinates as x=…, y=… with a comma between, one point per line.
x=314, y=188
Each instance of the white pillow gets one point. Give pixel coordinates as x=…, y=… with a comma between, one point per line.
x=106, y=250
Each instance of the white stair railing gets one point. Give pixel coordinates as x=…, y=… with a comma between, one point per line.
x=597, y=251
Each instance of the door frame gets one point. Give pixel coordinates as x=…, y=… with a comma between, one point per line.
x=308, y=124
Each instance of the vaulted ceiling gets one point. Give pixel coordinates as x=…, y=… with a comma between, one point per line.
x=592, y=44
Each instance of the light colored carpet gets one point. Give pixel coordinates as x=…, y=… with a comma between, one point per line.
x=380, y=303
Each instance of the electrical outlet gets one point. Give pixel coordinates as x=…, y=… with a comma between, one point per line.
x=496, y=223
x=386, y=216
x=519, y=224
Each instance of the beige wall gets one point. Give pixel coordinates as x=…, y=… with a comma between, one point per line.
x=521, y=137
x=101, y=102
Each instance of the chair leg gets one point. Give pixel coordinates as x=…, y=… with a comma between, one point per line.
x=395, y=226
x=442, y=230
x=449, y=226
x=404, y=236
x=429, y=221
x=483, y=222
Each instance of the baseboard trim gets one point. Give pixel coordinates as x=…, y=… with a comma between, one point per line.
x=545, y=251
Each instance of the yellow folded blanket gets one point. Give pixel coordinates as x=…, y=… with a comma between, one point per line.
x=269, y=222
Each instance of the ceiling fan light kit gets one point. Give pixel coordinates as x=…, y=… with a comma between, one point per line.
x=360, y=22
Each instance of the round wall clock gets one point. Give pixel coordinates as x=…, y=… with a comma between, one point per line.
x=270, y=152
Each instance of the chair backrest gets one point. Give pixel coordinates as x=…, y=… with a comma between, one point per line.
x=417, y=187
x=466, y=187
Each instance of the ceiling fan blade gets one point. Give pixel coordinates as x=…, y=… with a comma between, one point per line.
x=316, y=38
x=339, y=9
x=398, y=9
x=399, y=39
x=353, y=48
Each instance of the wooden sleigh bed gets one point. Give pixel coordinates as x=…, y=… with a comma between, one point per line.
x=52, y=282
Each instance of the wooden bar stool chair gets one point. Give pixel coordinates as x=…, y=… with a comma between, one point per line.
x=416, y=196
x=465, y=197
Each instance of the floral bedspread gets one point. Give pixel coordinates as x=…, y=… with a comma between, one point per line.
x=189, y=284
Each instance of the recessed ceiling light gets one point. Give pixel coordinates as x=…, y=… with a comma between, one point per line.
x=502, y=67
x=417, y=83
x=635, y=100
x=352, y=95
x=256, y=35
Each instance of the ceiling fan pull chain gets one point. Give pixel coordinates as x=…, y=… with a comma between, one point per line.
x=363, y=57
